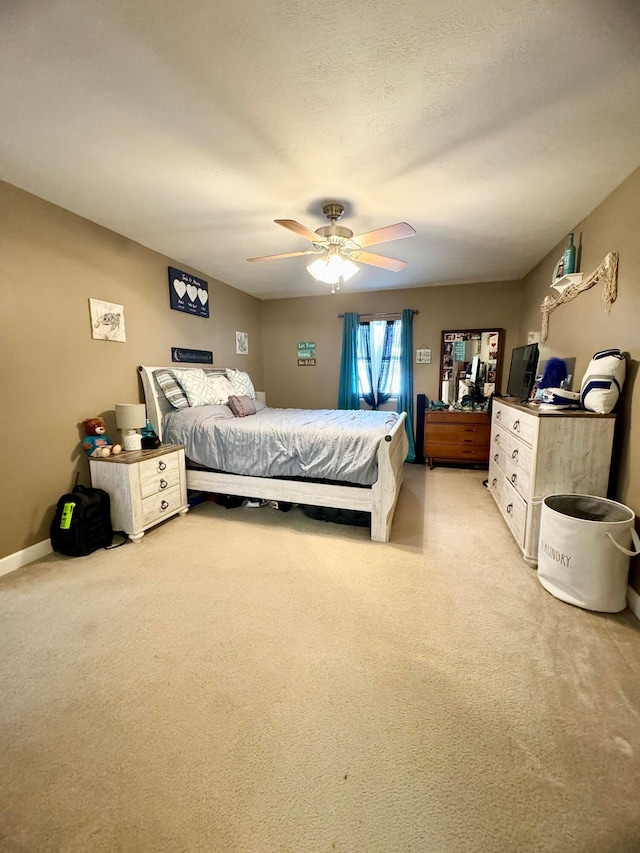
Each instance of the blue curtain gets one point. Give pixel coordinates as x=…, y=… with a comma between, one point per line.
x=348, y=395
x=405, y=397
x=387, y=368
x=365, y=371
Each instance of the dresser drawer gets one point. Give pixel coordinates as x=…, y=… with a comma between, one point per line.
x=457, y=452
x=516, y=422
x=156, y=507
x=520, y=454
x=439, y=433
x=510, y=503
x=519, y=479
x=159, y=474
x=514, y=458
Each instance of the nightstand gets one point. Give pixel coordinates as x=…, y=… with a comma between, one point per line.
x=145, y=486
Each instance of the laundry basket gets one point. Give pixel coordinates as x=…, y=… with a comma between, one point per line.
x=584, y=550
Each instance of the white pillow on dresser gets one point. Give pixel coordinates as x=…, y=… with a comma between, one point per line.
x=241, y=382
x=195, y=384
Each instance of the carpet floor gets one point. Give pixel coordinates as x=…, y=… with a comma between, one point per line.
x=255, y=681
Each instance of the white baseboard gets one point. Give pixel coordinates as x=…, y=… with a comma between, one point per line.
x=22, y=558
x=633, y=600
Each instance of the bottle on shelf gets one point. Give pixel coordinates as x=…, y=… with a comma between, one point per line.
x=569, y=257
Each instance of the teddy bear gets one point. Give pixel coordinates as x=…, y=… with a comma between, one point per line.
x=96, y=443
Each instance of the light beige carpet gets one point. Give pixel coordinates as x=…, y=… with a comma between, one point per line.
x=252, y=681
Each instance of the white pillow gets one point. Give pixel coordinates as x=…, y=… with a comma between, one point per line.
x=221, y=388
x=603, y=381
x=241, y=382
x=196, y=386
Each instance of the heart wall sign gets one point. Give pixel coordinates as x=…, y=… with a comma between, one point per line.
x=188, y=293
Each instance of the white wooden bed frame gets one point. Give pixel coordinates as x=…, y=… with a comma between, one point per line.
x=379, y=499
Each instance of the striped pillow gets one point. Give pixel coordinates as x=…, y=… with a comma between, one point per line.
x=171, y=390
x=603, y=381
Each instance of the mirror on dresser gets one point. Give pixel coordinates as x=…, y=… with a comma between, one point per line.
x=470, y=363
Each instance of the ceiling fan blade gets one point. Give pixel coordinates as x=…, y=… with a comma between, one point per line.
x=378, y=261
x=285, y=255
x=382, y=235
x=294, y=226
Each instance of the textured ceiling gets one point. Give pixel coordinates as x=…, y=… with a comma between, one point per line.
x=491, y=127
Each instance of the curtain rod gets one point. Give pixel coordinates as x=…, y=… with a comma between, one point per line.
x=385, y=314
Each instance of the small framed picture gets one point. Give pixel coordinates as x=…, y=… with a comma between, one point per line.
x=107, y=321
x=423, y=356
x=242, y=343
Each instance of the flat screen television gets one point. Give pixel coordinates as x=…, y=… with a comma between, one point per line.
x=522, y=373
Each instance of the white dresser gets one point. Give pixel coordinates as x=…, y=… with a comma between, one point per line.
x=534, y=454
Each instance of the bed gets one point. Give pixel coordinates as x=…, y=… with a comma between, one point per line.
x=225, y=448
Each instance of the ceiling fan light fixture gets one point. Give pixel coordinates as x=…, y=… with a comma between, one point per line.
x=332, y=269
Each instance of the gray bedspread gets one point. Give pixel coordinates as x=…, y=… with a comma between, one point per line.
x=312, y=443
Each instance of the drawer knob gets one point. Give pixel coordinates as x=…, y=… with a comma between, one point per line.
x=514, y=479
x=496, y=457
x=509, y=508
x=516, y=426
x=496, y=438
x=498, y=415
x=514, y=455
x=162, y=466
x=164, y=505
x=494, y=481
x=163, y=484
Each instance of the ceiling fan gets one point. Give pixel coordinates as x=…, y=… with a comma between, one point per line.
x=337, y=249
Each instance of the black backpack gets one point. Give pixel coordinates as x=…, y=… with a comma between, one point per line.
x=82, y=522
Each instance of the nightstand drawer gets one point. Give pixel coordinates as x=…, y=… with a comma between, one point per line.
x=158, y=506
x=159, y=474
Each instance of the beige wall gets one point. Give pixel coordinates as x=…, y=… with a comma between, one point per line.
x=581, y=328
x=54, y=375
x=315, y=318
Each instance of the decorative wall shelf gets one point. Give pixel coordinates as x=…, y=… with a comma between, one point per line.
x=567, y=280
x=570, y=286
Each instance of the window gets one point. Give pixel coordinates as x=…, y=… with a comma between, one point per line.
x=379, y=350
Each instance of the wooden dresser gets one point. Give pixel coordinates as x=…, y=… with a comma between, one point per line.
x=456, y=436
x=536, y=453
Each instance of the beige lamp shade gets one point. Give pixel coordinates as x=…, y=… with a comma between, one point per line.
x=129, y=418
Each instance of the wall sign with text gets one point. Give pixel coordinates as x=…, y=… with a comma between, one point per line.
x=191, y=356
x=188, y=293
x=306, y=354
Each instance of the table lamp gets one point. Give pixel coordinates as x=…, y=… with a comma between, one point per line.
x=130, y=417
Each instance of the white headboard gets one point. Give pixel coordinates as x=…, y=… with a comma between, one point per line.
x=157, y=404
